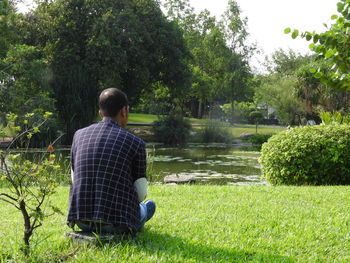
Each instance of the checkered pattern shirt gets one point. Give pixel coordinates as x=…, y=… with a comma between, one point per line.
x=106, y=161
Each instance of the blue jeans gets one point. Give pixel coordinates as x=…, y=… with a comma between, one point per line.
x=110, y=228
x=143, y=213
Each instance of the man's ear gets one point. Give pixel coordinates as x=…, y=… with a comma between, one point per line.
x=124, y=111
x=100, y=113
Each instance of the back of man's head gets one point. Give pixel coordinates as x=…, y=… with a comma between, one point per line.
x=111, y=101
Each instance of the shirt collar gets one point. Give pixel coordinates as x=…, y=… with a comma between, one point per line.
x=107, y=119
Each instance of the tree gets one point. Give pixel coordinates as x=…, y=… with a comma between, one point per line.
x=240, y=111
x=219, y=55
x=278, y=93
x=235, y=28
x=309, y=95
x=315, y=94
x=7, y=37
x=92, y=45
x=199, y=32
x=28, y=184
x=7, y=26
x=256, y=116
x=202, y=87
x=285, y=62
x=333, y=47
x=25, y=88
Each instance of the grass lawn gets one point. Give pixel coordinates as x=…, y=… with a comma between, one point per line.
x=142, y=118
x=208, y=224
x=247, y=128
x=149, y=118
x=236, y=130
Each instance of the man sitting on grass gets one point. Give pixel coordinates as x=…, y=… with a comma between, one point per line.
x=109, y=173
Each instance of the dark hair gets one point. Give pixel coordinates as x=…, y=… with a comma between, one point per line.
x=111, y=101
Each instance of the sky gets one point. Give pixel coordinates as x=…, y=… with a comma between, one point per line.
x=267, y=20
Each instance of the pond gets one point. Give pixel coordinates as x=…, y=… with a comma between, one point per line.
x=204, y=164
x=207, y=164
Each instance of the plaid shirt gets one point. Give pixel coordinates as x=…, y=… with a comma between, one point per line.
x=106, y=161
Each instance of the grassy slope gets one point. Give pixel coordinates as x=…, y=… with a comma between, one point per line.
x=211, y=224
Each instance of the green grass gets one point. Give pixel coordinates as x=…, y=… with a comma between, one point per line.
x=208, y=224
x=149, y=118
x=236, y=130
x=246, y=128
x=142, y=118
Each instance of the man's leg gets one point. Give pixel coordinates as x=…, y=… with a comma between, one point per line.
x=102, y=228
x=147, y=210
x=85, y=226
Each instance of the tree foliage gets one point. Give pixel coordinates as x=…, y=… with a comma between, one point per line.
x=63, y=53
x=23, y=73
x=8, y=29
x=333, y=47
x=292, y=91
x=25, y=88
x=278, y=93
x=92, y=45
x=239, y=111
x=25, y=83
x=219, y=63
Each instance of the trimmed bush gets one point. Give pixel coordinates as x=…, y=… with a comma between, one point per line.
x=259, y=139
x=172, y=130
x=310, y=155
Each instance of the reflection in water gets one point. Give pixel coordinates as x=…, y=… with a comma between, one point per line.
x=207, y=165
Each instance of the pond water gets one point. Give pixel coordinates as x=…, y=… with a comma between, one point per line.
x=207, y=164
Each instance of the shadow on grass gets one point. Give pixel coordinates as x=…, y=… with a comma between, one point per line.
x=165, y=245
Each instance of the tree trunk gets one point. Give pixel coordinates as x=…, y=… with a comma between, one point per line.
x=27, y=228
x=194, y=112
x=210, y=108
x=232, y=111
x=200, y=109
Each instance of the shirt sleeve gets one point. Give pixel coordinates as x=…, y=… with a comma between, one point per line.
x=141, y=188
x=139, y=163
x=72, y=155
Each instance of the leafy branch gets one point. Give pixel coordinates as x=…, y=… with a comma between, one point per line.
x=333, y=47
x=29, y=183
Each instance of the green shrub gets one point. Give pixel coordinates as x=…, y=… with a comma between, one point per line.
x=172, y=130
x=330, y=118
x=214, y=133
x=310, y=155
x=259, y=139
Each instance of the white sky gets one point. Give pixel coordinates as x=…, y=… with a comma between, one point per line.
x=267, y=20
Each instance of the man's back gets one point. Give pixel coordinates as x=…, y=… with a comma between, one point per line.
x=106, y=161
